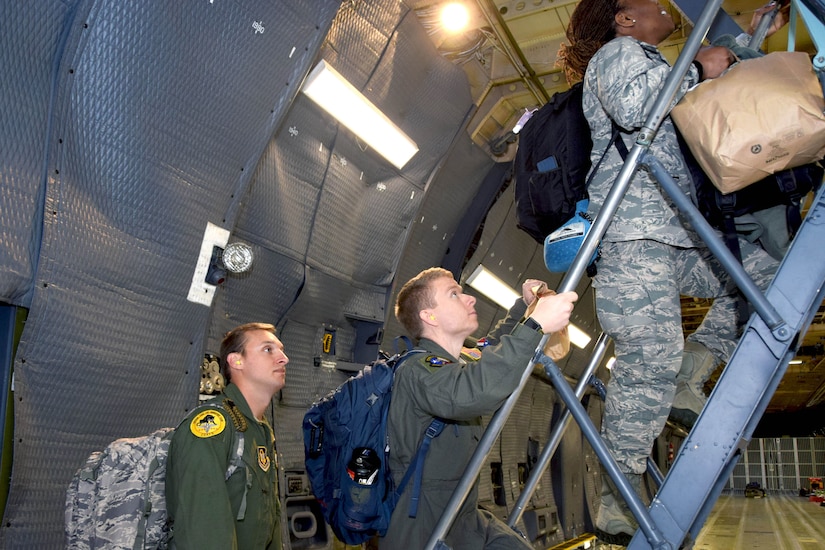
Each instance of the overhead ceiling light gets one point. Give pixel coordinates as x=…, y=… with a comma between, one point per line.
x=610, y=363
x=795, y=362
x=578, y=337
x=491, y=286
x=454, y=17
x=333, y=93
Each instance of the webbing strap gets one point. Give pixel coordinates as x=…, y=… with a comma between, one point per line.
x=248, y=485
x=726, y=204
x=788, y=184
x=417, y=465
x=615, y=139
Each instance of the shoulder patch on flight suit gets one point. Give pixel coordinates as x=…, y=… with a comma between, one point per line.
x=471, y=354
x=436, y=361
x=207, y=423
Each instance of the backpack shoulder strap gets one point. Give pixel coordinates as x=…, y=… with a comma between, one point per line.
x=416, y=467
x=615, y=139
x=435, y=428
x=159, y=460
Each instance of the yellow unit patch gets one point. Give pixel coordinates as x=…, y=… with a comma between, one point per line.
x=263, y=459
x=208, y=423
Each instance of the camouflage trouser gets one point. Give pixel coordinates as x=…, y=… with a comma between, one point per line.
x=637, y=298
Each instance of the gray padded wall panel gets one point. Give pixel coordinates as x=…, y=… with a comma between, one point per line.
x=30, y=35
x=305, y=381
x=161, y=114
x=359, y=226
x=543, y=399
x=372, y=23
x=321, y=198
x=280, y=208
x=514, y=443
x=367, y=304
x=420, y=91
x=485, y=478
x=569, y=470
x=592, y=465
x=440, y=213
x=250, y=297
x=289, y=436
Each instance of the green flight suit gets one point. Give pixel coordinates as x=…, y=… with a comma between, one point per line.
x=437, y=384
x=209, y=511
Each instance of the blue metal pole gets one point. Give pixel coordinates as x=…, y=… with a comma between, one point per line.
x=715, y=244
x=634, y=502
x=558, y=432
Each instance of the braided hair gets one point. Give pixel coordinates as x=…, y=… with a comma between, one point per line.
x=591, y=26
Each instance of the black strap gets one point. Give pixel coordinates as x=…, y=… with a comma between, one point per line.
x=620, y=147
x=727, y=205
x=615, y=139
x=788, y=184
x=619, y=142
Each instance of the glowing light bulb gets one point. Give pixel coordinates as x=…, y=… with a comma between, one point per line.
x=454, y=17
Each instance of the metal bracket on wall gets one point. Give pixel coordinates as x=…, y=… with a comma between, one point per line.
x=200, y=291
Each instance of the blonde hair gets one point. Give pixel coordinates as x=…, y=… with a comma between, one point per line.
x=415, y=295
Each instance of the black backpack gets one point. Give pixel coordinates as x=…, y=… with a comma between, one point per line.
x=551, y=164
x=786, y=187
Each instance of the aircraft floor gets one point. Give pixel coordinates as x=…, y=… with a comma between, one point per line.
x=775, y=522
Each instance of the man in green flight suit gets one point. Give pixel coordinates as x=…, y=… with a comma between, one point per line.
x=435, y=311
x=242, y=511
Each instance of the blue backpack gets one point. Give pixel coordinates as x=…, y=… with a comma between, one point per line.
x=347, y=453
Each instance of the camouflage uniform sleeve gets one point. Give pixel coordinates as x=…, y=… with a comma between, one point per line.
x=630, y=75
x=196, y=489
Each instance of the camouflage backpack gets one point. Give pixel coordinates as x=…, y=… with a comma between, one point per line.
x=117, y=500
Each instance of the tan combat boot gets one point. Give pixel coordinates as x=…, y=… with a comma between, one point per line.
x=698, y=364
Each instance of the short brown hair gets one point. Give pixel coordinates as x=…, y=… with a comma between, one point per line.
x=234, y=342
x=415, y=295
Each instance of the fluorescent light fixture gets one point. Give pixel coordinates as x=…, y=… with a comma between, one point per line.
x=491, y=286
x=339, y=98
x=610, y=363
x=795, y=362
x=578, y=337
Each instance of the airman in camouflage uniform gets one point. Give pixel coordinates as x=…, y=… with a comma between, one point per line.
x=650, y=256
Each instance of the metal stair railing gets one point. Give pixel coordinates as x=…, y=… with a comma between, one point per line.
x=558, y=431
x=696, y=478
x=706, y=458
x=577, y=269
